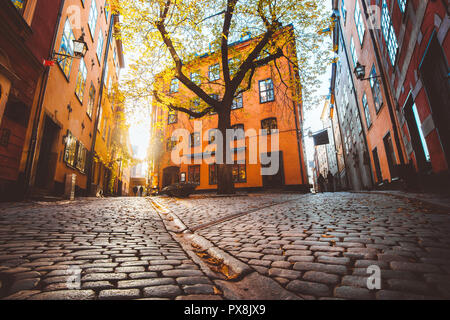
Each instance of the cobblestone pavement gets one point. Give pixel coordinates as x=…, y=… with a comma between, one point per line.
x=320, y=246
x=118, y=248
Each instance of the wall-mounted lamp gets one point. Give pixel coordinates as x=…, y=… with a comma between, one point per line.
x=360, y=72
x=79, y=49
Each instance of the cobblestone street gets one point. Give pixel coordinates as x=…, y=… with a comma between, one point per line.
x=120, y=245
x=311, y=246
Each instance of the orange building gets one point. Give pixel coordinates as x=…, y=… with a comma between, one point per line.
x=26, y=37
x=63, y=140
x=268, y=104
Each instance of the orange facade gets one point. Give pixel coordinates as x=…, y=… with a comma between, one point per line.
x=282, y=111
x=379, y=122
x=71, y=101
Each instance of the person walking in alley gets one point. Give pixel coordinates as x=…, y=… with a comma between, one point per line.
x=321, y=181
x=141, y=191
x=330, y=180
x=135, y=190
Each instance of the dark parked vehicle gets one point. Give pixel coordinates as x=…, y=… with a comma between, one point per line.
x=179, y=190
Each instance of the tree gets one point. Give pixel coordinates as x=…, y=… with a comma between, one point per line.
x=165, y=36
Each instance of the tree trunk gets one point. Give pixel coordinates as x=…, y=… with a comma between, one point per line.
x=225, y=184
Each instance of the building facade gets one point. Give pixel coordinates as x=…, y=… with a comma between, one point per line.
x=49, y=133
x=26, y=39
x=357, y=174
x=266, y=105
x=395, y=53
x=416, y=68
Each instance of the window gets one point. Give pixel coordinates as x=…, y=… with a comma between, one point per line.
x=214, y=72
x=389, y=33
x=81, y=157
x=172, y=117
x=269, y=126
x=194, y=174
x=344, y=11
x=195, y=139
x=266, y=93
x=20, y=5
x=66, y=48
x=366, y=111
x=237, y=103
x=174, y=85
x=213, y=174
x=195, y=78
x=108, y=140
x=99, y=117
x=93, y=15
x=116, y=62
x=90, y=106
x=171, y=143
x=402, y=5
x=376, y=91
x=239, y=132
x=106, y=6
x=105, y=124
x=239, y=173
x=100, y=46
x=359, y=22
x=81, y=80
x=215, y=97
x=232, y=65
x=212, y=136
x=195, y=106
x=70, y=149
x=353, y=52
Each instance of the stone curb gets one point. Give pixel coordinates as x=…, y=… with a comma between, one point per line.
x=236, y=266
x=171, y=220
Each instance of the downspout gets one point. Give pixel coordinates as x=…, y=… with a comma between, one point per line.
x=297, y=118
x=100, y=95
x=357, y=102
x=386, y=91
x=33, y=141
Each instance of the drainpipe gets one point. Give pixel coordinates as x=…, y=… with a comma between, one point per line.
x=29, y=165
x=97, y=120
x=356, y=99
x=386, y=90
x=297, y=118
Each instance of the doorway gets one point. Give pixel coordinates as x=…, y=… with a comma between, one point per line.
x=376, y=160
x=276, y=180
x=418, y=142
x=171, y=175
x=390, y=155
x=434, y=72
x=48, y=155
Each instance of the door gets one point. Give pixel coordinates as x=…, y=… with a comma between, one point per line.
x=276, y=180
x=376, y=160
x=47, y=155
x=418, y=141
x=171, y=175
x=434, y=72
x=390, y=155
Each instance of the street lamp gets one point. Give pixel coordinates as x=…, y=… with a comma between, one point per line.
x=79, y=49
x=360, y=72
